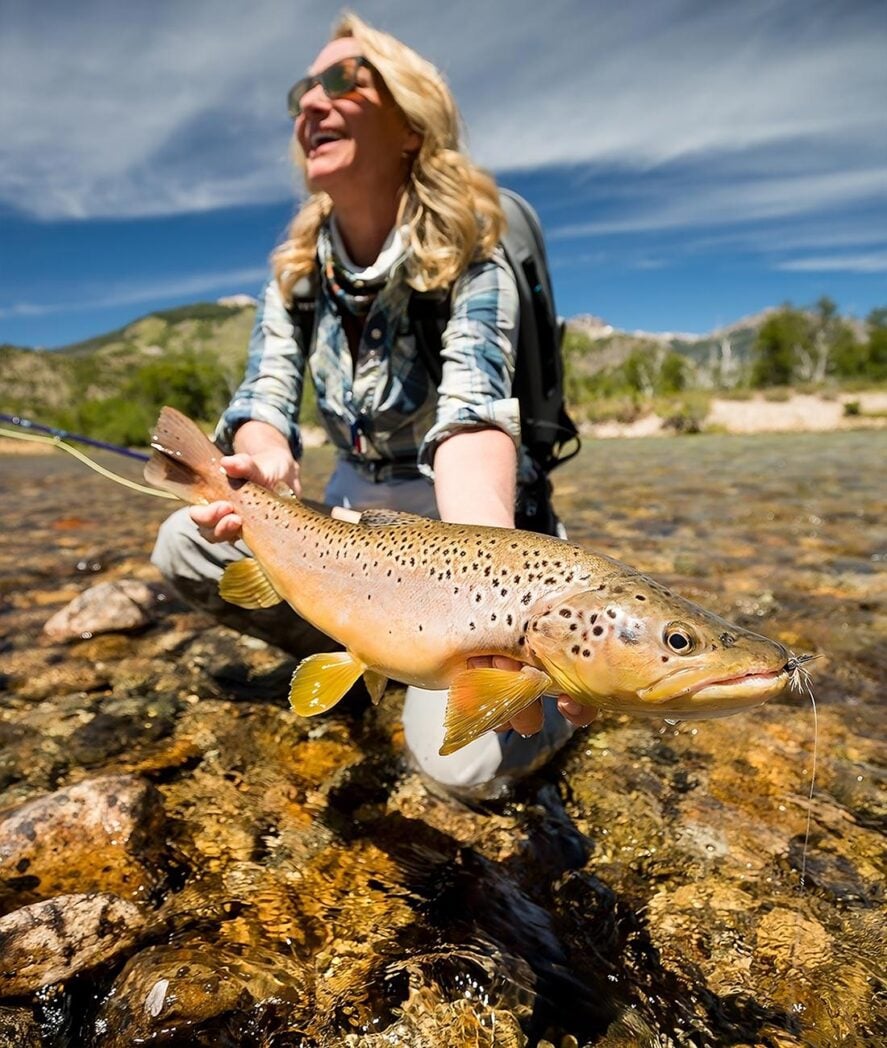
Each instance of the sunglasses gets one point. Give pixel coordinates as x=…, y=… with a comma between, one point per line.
x=336, y=80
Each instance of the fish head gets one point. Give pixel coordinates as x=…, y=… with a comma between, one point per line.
x=633, y=646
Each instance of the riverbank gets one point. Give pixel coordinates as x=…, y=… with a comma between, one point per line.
x=761, y=413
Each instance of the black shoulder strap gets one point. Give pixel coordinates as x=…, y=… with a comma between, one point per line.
x=429, y=313
x=303, y=309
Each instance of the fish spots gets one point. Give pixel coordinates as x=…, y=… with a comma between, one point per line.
x=586, y=653
x=509, y=619
x=593, y=618
x=728, y=640
x=598, y=630
x=526, y=598
x=565, y=613
x=639, y=596
x=611, y=612
x=575, y=649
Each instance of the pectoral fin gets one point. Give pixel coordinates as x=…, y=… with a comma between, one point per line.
x=375, y=685
x=321, y=680
x=245, y=584
x=481, y=699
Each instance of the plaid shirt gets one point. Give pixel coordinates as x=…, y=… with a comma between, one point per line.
x=385, y=407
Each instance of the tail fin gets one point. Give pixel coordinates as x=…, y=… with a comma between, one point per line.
x=185, y=461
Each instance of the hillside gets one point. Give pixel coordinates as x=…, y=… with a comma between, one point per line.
x=193, y=357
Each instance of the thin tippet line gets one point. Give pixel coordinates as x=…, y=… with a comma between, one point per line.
x=809, y=690
x=57, y=442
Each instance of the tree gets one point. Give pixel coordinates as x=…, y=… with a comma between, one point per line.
x=783, y=339
x=876, y=365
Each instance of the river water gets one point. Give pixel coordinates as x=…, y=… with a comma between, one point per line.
x=294, y=883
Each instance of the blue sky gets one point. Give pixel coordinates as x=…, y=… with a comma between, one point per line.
x=693, y=161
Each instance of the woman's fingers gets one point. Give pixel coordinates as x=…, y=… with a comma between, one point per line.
x=217, y=522
x=575, y=712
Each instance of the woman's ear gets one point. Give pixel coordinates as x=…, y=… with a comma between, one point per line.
x=412, y=143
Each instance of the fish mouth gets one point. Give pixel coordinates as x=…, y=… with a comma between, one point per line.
x=750, y=688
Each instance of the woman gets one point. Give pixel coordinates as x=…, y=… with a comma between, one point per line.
x=394, y=207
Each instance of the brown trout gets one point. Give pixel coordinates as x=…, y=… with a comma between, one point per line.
x=413, y=599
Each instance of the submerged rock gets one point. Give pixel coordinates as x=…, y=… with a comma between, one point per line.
x=165, y=992
x=19, y=1029
x=53, y=940
x=126, y=604
x=101, y=835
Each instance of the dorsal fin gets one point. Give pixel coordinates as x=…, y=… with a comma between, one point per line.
x=386, y=518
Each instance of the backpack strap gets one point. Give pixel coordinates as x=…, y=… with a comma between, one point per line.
x=429, y=313
x=303, y=310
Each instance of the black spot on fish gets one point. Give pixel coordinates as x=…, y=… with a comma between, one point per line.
x=611, y=613
x=586, y=653
x=526, y=598
x=565, y=613
x=639, y=596
x=664, y=658
x=728, y=640
x=598, y=630
x=575, y=649
x=509, y=619
x=593, y=618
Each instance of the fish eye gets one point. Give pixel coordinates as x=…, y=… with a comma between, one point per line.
x=679, y=639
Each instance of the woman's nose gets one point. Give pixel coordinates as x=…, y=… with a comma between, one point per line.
x=314, y=99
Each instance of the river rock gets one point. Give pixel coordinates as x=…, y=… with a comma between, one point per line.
x=19, y=1029
x=53, y=940
x=101, y=835
x=126, y=604
x=169, y=990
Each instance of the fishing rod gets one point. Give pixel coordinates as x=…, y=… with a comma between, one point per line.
x=58, y=438
x=63, y=434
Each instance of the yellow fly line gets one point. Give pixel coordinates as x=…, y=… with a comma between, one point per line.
x=57, y=442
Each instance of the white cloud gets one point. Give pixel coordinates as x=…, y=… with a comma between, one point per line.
x=122, y=110
x=873, y=262
x=741, y=200
x=125, y=294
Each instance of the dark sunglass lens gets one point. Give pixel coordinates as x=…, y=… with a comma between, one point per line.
x=296, y=94
x=340, y=78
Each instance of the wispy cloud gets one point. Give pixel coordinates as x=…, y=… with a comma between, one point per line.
x=126, y=294
x=124, y=110
x=874, y=262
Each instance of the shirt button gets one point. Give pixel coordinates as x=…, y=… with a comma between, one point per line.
x=376, y=333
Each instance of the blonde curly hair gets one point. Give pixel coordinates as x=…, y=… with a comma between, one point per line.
x=450, y=206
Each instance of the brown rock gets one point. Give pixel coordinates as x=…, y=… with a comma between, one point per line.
x=102, y=835
x=51, y=941
x=126, y=604
x=169, y=989
x=19, y=1029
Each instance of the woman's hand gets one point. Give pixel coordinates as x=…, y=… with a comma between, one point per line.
x=529, y=721
x=272, y=466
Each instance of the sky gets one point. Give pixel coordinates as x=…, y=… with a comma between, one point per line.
x=693, y=161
